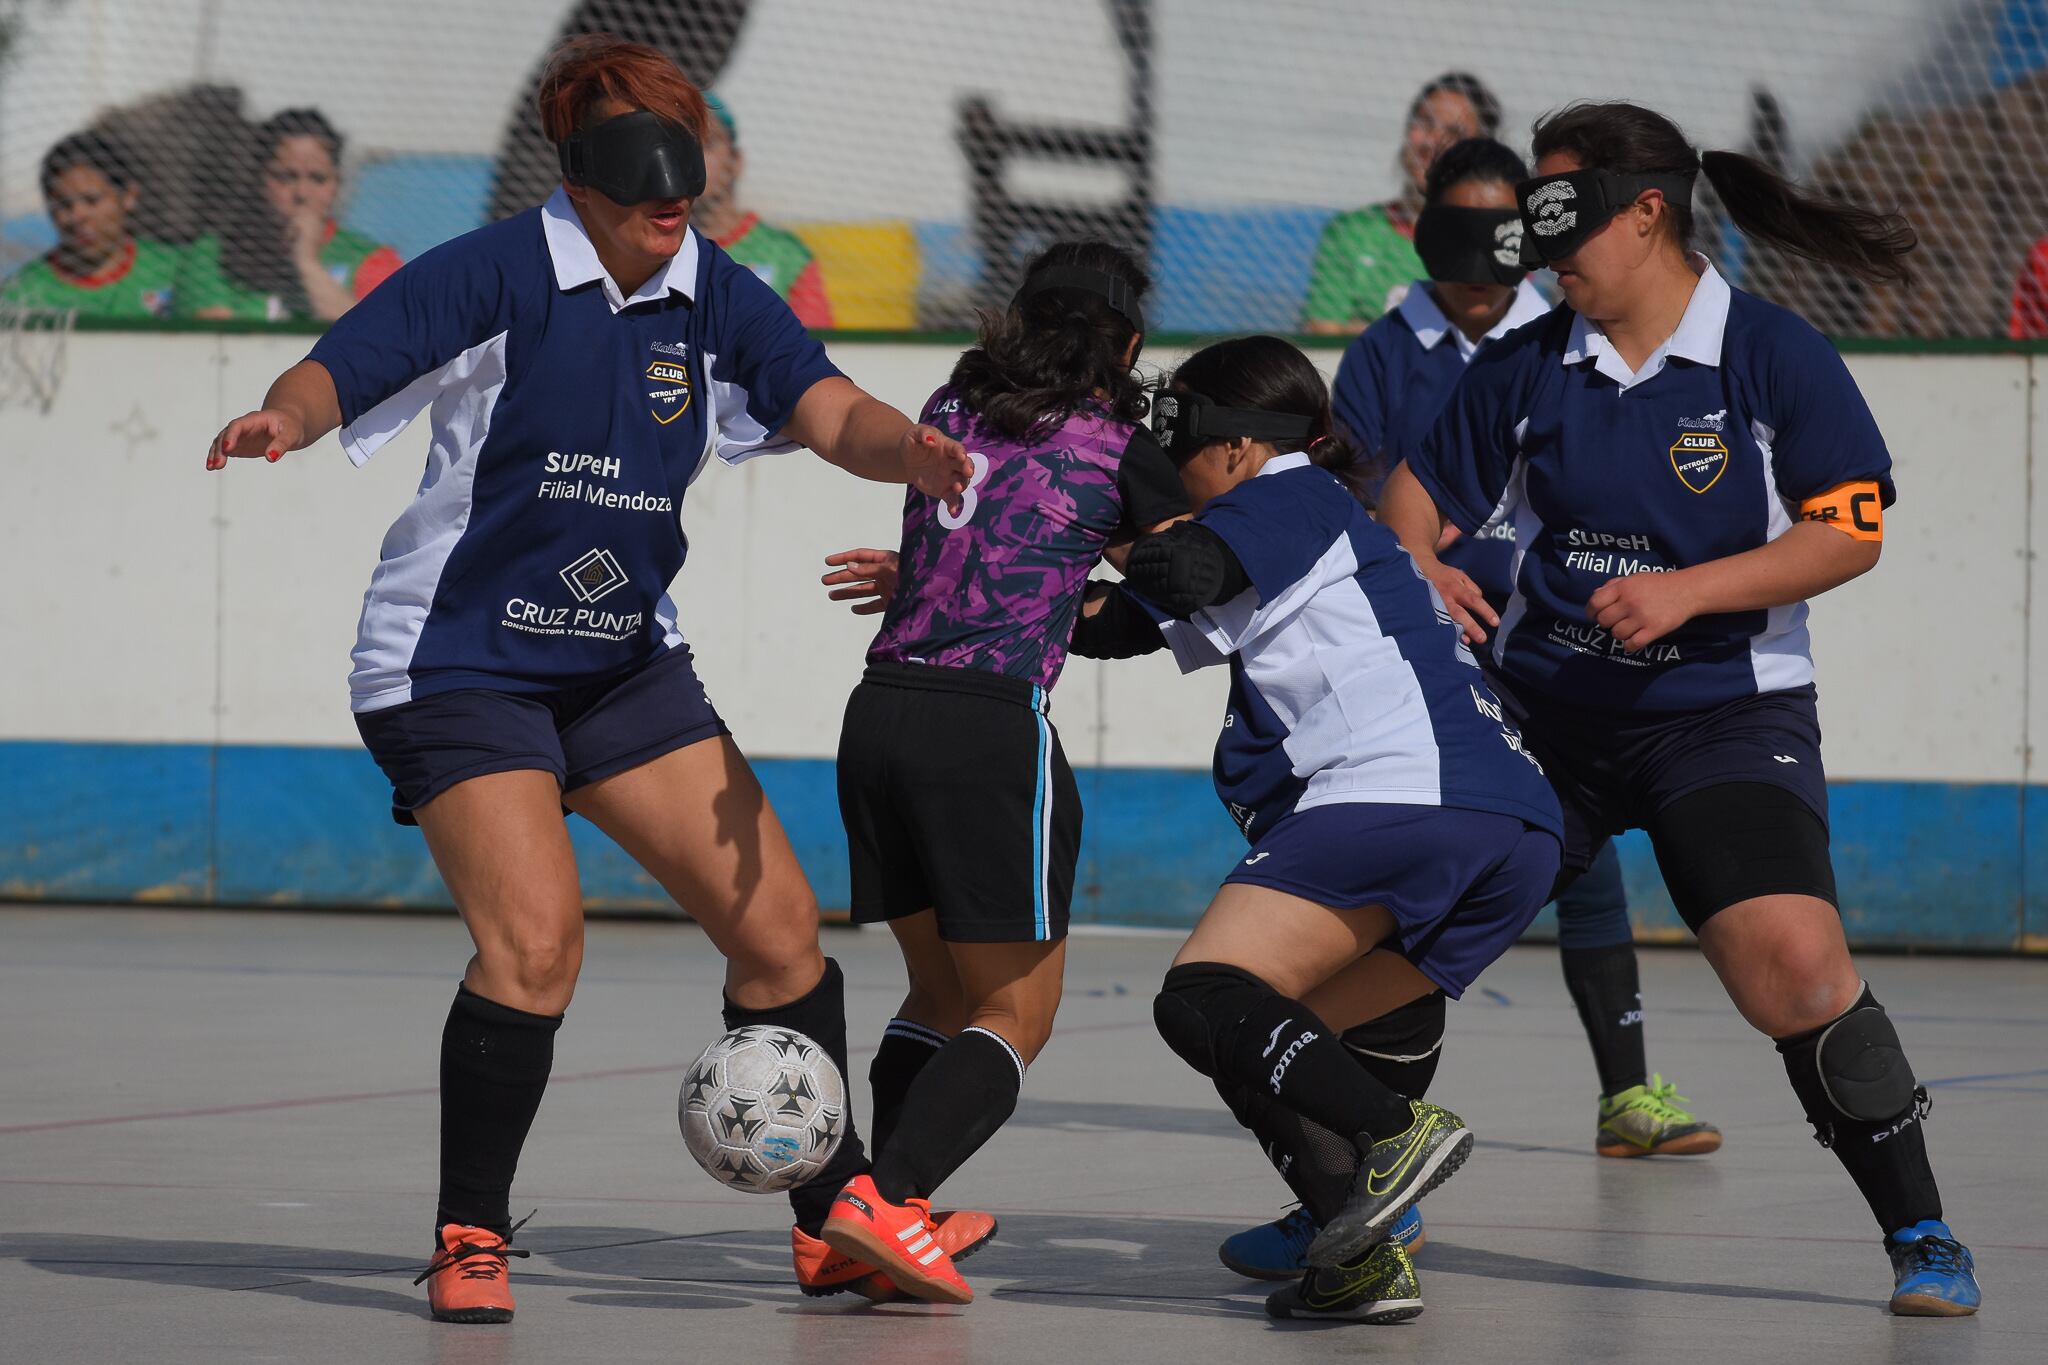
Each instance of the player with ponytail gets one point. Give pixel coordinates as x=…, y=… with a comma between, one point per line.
x=1685, y=465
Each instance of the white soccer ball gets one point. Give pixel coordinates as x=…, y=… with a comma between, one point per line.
x=762, y=1109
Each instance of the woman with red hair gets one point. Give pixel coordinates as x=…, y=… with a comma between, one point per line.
x=518, y=655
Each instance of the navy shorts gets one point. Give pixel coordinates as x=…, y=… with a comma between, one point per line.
x=1614, y=771
x=1461, y=885
x=580, y=734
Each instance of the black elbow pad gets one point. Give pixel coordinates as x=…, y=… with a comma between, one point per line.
x=1185, y=568
x=1119, y=629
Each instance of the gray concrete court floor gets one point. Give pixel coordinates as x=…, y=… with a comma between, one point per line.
x=217, y=1144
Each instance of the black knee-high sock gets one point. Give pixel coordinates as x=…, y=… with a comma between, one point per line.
x=821, y=1017
x=1886, y=1159
x=954, y=1105
x=494, y=1067
x=906, y=1047
x=1317, y=1164
x=1229, y=1024
x=1402, y=1047
x=1608, y=994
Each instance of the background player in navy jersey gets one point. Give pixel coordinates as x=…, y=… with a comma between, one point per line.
x=1685, y=465
x=962, y=815
x=1390, y=387
x=518, y=653
x=1401, y=837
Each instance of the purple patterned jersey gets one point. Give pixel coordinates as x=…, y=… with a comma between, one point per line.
x=997, y=587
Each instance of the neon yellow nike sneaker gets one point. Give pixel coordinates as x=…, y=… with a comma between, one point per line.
x=1379, y=1286
x=1394, y=1173
x=1652, y=1120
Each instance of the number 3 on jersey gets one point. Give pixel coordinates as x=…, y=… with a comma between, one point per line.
x=970, y=499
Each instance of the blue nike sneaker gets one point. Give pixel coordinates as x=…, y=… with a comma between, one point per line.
x=1277, y=1250
x=1936, y=1277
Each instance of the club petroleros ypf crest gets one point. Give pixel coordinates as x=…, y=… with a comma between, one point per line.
x=668, y=382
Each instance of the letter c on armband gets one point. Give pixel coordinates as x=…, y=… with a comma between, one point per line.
x=1856, y=509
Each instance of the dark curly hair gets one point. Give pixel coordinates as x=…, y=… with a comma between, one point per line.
x=1047, y=356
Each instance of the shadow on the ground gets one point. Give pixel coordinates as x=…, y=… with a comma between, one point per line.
x=1123, y=1262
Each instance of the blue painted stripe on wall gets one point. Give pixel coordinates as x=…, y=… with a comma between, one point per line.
x=1927, y=864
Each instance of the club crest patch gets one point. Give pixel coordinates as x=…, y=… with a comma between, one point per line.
x=668, y=387
x=1699, y=458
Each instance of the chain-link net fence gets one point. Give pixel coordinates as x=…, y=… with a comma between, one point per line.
x=273, y=159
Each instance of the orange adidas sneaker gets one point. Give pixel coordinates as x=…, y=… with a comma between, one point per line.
x=897, y=1239
x=962, y=1232
x=821, y=1271
x=468, y=1279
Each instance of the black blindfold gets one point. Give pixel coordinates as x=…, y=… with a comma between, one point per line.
x=1470, y=246
x=1081, y=279
x=634, y=158
x=1559, y=212
x=1183, y=423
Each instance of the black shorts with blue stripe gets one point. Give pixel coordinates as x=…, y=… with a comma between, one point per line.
x=958, y=799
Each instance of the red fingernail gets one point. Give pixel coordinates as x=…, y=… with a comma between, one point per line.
x=273, y=455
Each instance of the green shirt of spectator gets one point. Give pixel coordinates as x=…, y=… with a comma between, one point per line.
x=141, y=283
x=1366, y=257
x=777, y=255
x=1365, y=261
x=354, y=262
x=98, y=267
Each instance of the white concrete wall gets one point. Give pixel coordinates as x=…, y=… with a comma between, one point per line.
x=142, y=599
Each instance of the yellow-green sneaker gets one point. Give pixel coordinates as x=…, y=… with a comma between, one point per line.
x=1380, y=1286
x=1652, y=1120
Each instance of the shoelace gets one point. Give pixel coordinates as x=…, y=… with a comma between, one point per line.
x=464, y=1254
x=1664, y=1102
x=1299, y=1228
x=1943, y=1255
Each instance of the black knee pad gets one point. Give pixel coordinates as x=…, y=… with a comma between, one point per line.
x=1198, y=1002
x=1863, y=1069
x=1413, y=1031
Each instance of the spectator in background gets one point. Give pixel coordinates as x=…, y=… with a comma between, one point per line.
x=287, y=257
x=1366, y=257
x=98, y=267
x=2030, y=296
x=782, y=261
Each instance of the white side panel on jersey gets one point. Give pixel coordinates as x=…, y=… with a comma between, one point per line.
x=1781, y=656
x=1354, y=712
x=417, y=547
x=1528, y=528
x=733, y=432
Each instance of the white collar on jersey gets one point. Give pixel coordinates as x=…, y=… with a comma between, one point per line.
x=1424, y=318
x=1280, y=464
x=576, y=263
x=1698, y=337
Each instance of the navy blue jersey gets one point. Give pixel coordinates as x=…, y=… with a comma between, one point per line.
x=567, y=422
x=1705, y=452
x=1391, y=387
x=1348, y=681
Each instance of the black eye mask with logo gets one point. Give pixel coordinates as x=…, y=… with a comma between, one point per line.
x=1183, y=423
x=1559, y=212
x=634, y=158
x=1470, y=246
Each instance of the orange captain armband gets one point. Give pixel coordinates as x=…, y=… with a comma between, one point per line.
x=1855, y=509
